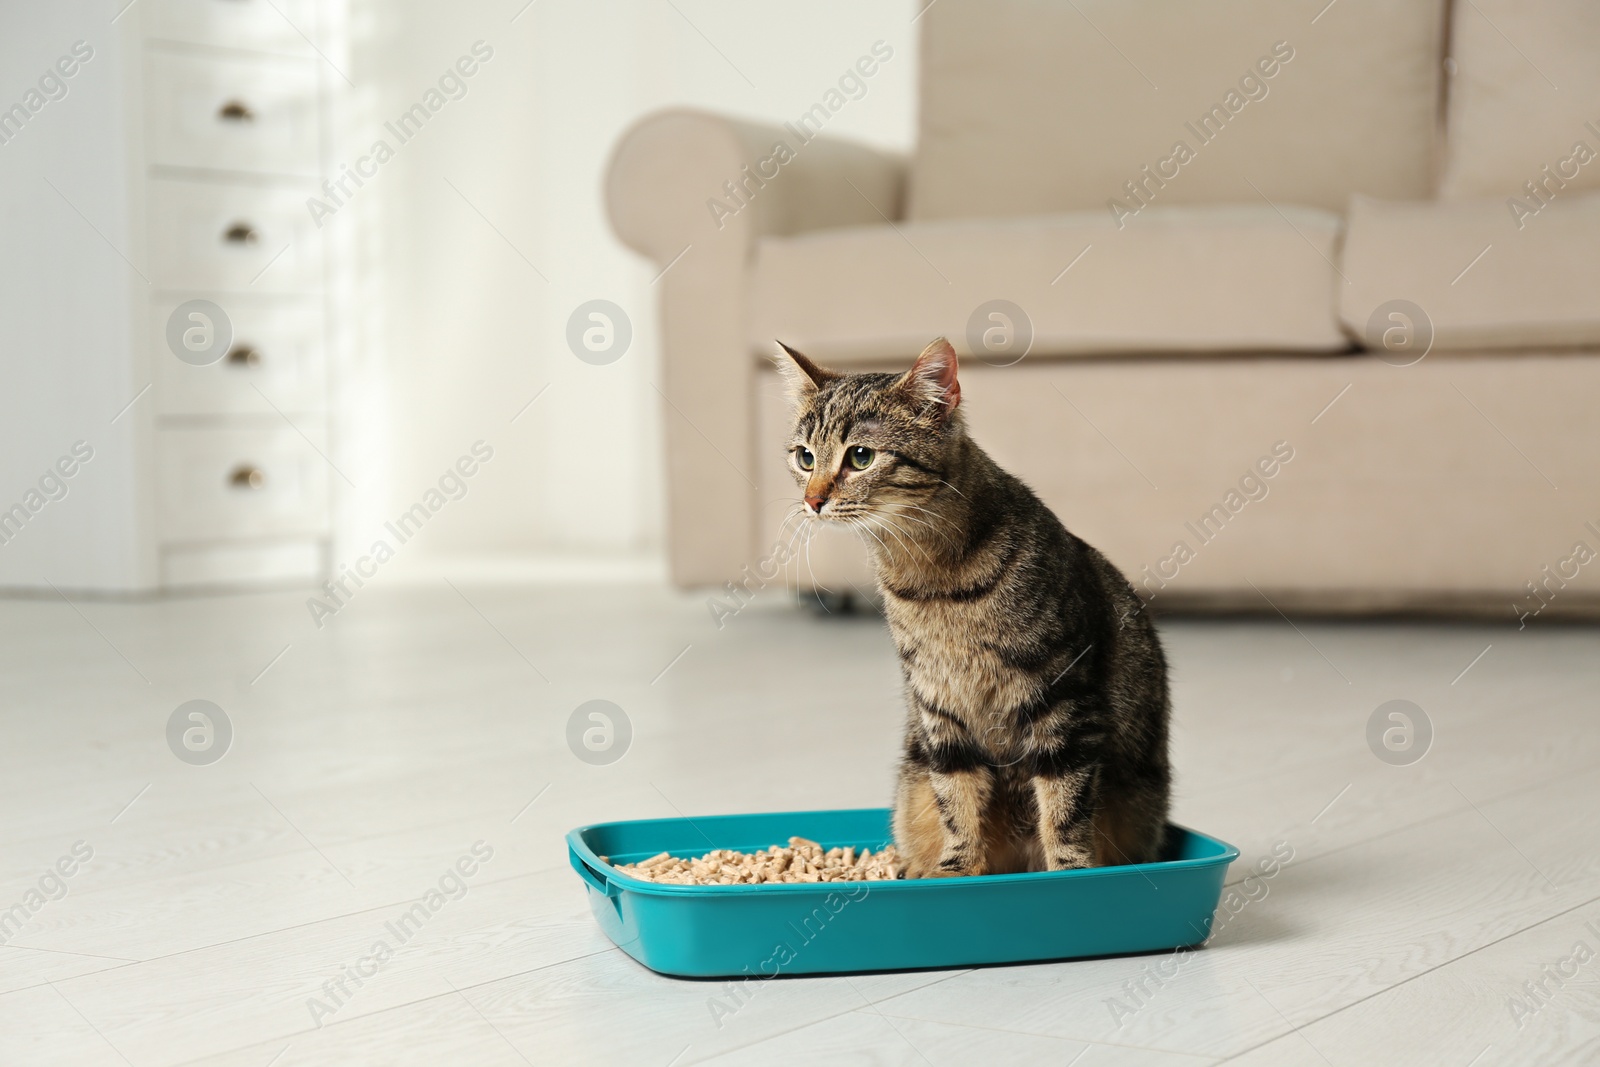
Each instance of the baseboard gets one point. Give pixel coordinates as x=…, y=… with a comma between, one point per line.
x=1476, y=605
x=533, y=569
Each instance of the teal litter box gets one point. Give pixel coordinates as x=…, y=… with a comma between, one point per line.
x=831, y=927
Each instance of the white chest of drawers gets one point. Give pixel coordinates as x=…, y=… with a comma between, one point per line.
x=236, y=104
x=218, y=474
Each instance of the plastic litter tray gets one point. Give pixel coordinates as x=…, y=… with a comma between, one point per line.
x=832, y=927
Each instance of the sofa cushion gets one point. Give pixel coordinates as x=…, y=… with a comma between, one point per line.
x=1036, y=106
x=1479, y=280
x=1196, y=279
x=1525, y=93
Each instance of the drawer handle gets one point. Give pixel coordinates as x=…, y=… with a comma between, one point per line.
x=247, y=476
x=236, y=111
x=241, y=233
x=244, y=356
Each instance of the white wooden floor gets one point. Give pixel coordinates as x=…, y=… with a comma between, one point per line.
x=374, y=752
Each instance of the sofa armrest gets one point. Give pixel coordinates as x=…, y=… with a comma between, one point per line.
x=679, y=177
x=694, y=192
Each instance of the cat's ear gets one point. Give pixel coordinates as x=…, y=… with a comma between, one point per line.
x=932, y=378
x=802, y=375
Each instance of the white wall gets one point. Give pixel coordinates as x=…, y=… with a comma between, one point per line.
x=70, y=303
x=449, y=331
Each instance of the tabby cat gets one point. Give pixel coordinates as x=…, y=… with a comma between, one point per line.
x=1036, y=689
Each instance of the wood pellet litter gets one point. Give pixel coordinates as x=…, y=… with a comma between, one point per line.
x=802, y=861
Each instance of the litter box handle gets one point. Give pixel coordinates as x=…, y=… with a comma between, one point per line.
x=596, y=879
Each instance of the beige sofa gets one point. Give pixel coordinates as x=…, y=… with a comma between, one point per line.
x=1242, y=288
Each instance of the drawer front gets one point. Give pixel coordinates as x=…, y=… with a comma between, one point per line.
x=218, y=484
x=277, y=353
x=232, y=113
x=206, y=236
x=257, y=25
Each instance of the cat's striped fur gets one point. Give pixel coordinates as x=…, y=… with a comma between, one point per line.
x=1036, y=689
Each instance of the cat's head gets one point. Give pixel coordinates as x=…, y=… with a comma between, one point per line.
x=864, y=443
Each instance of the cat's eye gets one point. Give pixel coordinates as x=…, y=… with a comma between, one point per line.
x=804, y=457
x=861, y=457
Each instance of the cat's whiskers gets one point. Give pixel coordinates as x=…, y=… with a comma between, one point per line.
x=927, y=511
x=803, y=529
x=860, y=521
x=900, y=536
x=796, y=551
x=785, y=538
x=805, y=533
x=815, y=585
x=931, y=528
x=861, y=527
x=796, y=511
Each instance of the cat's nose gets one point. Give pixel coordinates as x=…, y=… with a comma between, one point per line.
x=815, y=504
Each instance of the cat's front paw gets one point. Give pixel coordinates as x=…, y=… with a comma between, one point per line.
x=946, y=867
x=926, y=869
